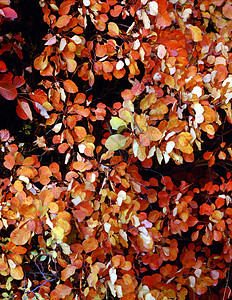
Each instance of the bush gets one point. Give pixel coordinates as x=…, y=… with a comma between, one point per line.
x=115, y=149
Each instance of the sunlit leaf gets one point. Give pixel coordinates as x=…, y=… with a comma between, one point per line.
x=20, y=236
x=115, y=142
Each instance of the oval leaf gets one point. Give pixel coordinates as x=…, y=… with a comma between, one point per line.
x=70, y=86
x=8, y=90
x=115, y=142
x=20, y=236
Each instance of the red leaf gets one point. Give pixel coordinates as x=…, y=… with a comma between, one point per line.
x=23, y=110
x=18, y=81
x=8, y=90
x=2, y=66
x=206, y=209
x=9, y=13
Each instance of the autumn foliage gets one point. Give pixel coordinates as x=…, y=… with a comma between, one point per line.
x=124, y=190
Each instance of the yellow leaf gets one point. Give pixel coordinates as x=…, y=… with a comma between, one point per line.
x=17, y=272
x=196, y=33
x=58, y=233
x=113, y=29
x=115, y=142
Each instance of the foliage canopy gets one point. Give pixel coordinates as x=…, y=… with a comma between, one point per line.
x=122, y=188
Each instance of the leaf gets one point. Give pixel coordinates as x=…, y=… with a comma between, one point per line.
x=17, y=272
x=90, y=244
x=9, y=162
x=20, y=236
x=161, y=51
x=8, y=90
x=113, y=29
x=113, y=275
x=4, y=135
x=68, y=272
x=107, y=66
x=60, y=291
x=71, y=65
x=153, y=7
x=163, y=19
x=227, y=11
x=154, y=133
x=9, y=13
x=196, y=33
x=146, y=20
x=51, y=41
x=70, y=86
x=206, y=209
x=23, y=110
x=2, y=66
x=18, y=81
x=116, y=123
x=115, y=142
x=63, y=21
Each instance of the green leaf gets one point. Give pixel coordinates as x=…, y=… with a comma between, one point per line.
x=115, y=142
x=116, y=123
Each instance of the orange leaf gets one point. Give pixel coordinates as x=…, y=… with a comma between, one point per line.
x=222, y=155
x=71, y=65
x=68, y=272
x=9, y=162
x=113, y=29
x=26, y=171
x=63, y=147
x=227, y=11
x=217, y=235
x=107, y=66
x=54, y=167
x=79, y=165
x=80, y=132
x=63, y=21
x=70, y=86
x=90, y=244
x=196, y=33
x=154, y=133
x=100, y=50
x=45, y=171
x=163, y=19
x=206, y=209
x=60, y=292
x=20, y=236
x=41, y=62
x=17, y=272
